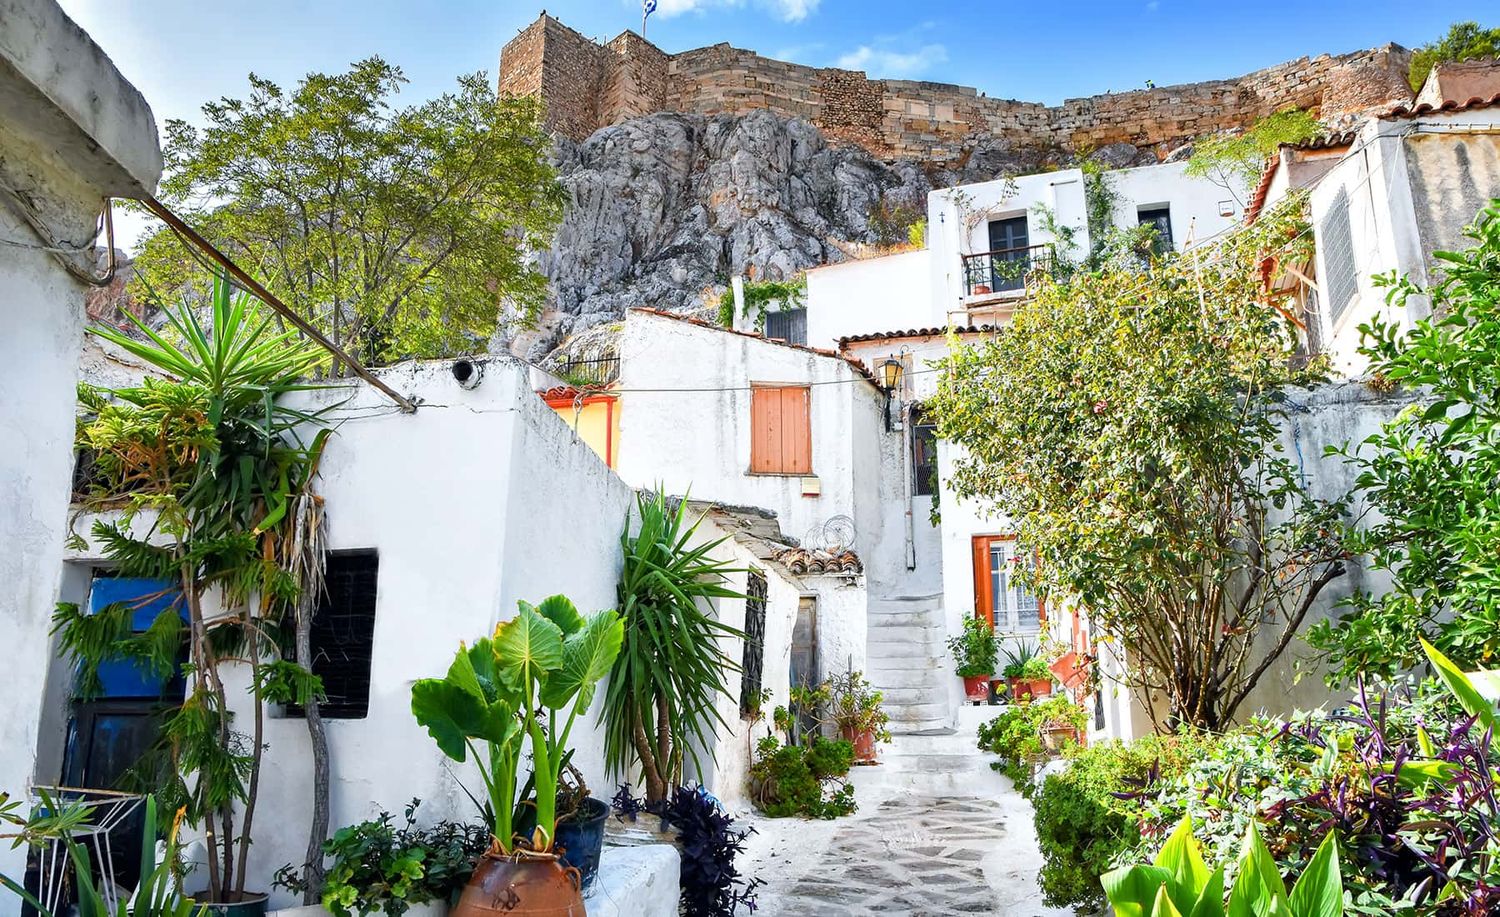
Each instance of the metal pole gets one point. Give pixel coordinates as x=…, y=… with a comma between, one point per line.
x=245, y=280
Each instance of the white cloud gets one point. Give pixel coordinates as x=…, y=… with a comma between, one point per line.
x=785, y=10
x=883, y=62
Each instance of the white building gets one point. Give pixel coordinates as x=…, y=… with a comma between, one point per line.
x=1383, y=198
x=74, y=133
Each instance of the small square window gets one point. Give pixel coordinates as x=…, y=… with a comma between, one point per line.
x=780, y=429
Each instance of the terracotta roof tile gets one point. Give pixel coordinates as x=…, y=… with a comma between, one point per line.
x=915, y=333
x=1451, y=105
x=854, y=364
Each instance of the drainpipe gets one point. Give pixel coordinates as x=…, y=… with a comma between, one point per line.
x=908, y=473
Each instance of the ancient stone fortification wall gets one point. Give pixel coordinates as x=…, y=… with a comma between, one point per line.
x=588, y=86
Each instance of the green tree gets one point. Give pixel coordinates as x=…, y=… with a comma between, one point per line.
x=1430, y=476
x=398, y=231
x=1235, y=161
x=1464, y=41
x=1126, y=422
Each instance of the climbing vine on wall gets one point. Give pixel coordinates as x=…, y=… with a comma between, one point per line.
x=760, y=297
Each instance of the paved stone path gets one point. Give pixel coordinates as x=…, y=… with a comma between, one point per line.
x=937, y=834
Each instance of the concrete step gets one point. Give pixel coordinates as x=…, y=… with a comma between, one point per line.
x=914, y=694
x=904, y=633
x=904, y=616
x=907, y=713
x=885, y=679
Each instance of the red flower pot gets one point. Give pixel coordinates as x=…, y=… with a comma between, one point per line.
x=977, y=687
x=863, y=741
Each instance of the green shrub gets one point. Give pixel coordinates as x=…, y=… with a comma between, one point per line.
x=803, y=779
x=1083, y=827
x=974, y=651
x=1016, y=735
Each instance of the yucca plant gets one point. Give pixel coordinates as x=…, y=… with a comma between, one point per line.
x=205, y=464
x=662, y=701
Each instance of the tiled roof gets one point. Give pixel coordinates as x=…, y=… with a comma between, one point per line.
x=854, y=364
x=758, y=531
x=1263, y=188
x=1451, y=105
x=915, y=333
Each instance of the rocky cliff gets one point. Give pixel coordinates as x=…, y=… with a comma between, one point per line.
x=666, y=207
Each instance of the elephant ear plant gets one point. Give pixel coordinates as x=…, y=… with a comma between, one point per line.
x=546, y=660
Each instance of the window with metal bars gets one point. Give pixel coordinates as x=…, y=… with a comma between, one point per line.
x=1336, y=239
x=788, y=325
x=753, y=658
x=923, y=454
x=343, y=634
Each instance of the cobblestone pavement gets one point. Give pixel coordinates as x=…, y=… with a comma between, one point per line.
x=937, y=834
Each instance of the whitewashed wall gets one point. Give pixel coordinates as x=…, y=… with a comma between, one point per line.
x=685, y=419
x=872, y=295
x=1197, y=204
x=479, y=499
x=949, y=238
x=75, y=132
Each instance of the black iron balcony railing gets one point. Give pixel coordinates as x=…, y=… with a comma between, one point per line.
x=601, y=371
x=1005, y=269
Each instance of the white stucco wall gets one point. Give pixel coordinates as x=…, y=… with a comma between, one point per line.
x=685, y=418
x=876, y=294
x=949, y=237
x=1196, y=203
x=479, y=499
x=75, y=131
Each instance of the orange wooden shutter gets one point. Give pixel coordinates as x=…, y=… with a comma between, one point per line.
x=780, y=430
x=796, y=432
x=983, y=601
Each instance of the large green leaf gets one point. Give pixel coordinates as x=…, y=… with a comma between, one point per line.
x=1180, y=857
x=1463, y=686
x=528, y=648
x=1319, y=891
x=560, y=610
x=1258, y=890
x=454, y=713
x=588, y=655
x=1132, y=890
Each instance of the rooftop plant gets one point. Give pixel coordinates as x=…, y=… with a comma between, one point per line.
x=662, y=702
x=530, y=681
x=204, y=466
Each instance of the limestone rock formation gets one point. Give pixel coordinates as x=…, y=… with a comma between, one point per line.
x=666, y=207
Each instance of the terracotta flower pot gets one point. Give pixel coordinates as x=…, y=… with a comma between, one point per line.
x=864, y=744
x=535, y=885
x=1033, y=688
x=977, y=687
x=1054, y=737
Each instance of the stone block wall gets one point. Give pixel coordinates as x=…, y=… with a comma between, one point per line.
x=588, y=86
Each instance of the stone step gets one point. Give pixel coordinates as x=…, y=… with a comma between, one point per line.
x=925, y=618
x=903, y=633
x=913, y=694
x=910, y=713
x=886, y=679
x=922, y=728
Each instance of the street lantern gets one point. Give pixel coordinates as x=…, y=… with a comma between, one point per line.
x=890, y=372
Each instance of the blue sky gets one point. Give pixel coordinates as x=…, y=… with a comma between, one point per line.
x=180, y=54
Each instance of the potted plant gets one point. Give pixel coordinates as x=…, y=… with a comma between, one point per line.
x=1026, y=671
x=854, y=707
x=1062, y=723
x=974, y=651
x=540, y=666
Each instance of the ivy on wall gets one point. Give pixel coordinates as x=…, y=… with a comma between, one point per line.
x=760, y=297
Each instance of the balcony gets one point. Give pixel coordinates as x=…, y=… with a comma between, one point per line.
x=596, y=372
x=1005, y=270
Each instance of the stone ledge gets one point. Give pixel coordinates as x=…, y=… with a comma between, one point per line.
x=636, y=882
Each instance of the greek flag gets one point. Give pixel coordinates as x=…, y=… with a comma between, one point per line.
x=647, y=8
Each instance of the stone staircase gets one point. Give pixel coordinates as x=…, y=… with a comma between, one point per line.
x=908, y=662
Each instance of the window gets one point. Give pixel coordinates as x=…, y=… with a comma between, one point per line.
x=780, y=429
x=1160, y=219
x=343, y=635
x=752, y=659
x=1010, y=254
x=923, y=454
x=999, y=596
x=788, y=325
x=1336, y=239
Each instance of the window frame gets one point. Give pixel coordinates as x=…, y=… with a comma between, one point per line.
x=753, y=648
x=922, y=485
x=982, y=548
x=800, y=464
x=1147, y=216
x=1342, y=286
x=345, y=710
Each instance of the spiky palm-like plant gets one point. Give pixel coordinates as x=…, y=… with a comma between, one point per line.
x=661, y=703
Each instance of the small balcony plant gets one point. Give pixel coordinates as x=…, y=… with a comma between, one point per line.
x=529, y=682
x=1027, y=671
x=854, y=707
x=974, y=653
